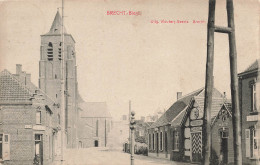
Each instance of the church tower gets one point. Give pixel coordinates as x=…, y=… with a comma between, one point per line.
x=50, y=74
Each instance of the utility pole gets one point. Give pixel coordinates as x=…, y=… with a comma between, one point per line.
x=132, y=127
x=129, y=114
x=206, y=142
x=236, y=118
x=63, y=134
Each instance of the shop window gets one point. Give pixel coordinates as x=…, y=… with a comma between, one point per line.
x=38, y=117
x=176, y=141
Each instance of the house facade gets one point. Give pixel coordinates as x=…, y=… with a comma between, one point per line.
x=249, y=94
x=160, y=141
x=192, y=131
x=29, y=123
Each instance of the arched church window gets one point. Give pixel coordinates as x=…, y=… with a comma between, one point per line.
x=50, y=52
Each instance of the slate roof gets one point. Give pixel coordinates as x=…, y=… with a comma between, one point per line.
x=11, y=90
x=175, y=109
x=94, y=110
x=56, y=27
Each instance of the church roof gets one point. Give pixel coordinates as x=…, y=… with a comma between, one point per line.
x=94, y=110
x=56, y=27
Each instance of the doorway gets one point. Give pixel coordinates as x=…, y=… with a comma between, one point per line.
x=224, y=149
x=96, y=143
x=38, y=149
x=196, y=147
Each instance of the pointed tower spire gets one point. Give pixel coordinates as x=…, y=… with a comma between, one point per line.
x=56, y=25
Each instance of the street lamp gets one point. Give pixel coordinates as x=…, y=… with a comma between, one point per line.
x=132, y=127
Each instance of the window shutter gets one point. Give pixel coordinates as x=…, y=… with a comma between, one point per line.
x=6, y=147
x=247, y=133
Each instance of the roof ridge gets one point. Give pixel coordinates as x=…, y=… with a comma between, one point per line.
x=200, y=89
x=249, y=68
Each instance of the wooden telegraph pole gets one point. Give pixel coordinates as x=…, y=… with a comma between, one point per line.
x=236, y=118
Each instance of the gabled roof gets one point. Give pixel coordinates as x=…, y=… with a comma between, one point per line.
x=175, y=109
x=217, y=104
x=56, y=27
x=94, y=110
x=14, y=91
x=11, y=90
x=253, y=67
x=227, y=105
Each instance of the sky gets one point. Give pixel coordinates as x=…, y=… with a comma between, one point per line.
x=127, y=57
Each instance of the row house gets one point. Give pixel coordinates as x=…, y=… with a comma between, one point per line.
x=188, y=132
x=29, y=121
x=177, y=135
x=249, y=95
x=160, y=143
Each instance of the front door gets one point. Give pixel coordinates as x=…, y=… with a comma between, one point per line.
x=224, y=150
x=196, y=146
x=96, y=143
x=38, y=149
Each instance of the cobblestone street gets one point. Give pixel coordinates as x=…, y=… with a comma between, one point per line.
x=104, y=156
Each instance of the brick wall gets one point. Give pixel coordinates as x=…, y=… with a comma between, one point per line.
x=245, y=107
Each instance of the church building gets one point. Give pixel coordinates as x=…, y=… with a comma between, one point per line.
x=50, y=74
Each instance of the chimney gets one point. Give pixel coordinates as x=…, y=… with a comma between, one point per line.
x=179, y=95
x=18, y=69
x=224, y=96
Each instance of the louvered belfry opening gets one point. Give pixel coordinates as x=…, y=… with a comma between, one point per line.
x=50, y=52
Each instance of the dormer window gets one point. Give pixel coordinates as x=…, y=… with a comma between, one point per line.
x=50, y=52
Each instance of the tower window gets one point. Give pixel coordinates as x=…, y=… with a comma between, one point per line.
x=59, y=55
x=50, y=52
